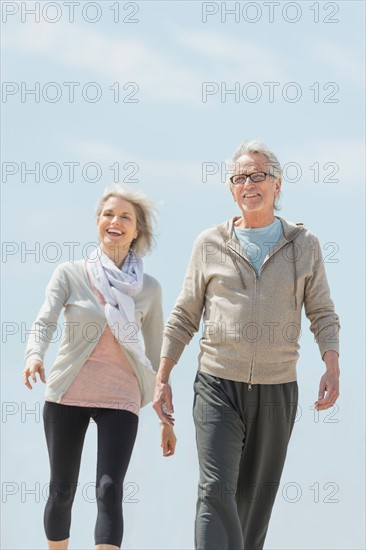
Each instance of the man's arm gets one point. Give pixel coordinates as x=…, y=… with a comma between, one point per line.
x=324, y=323
x=180, y=328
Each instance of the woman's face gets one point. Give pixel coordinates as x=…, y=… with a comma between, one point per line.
x=117, y=224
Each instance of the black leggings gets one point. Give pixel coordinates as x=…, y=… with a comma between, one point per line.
x=65, y=427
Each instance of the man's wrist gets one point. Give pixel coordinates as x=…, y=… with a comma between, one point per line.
x=332, y=368
x=166, y=366
x=330, y=359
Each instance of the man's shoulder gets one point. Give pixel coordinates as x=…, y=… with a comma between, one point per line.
x=297, y=230
x=213, y=233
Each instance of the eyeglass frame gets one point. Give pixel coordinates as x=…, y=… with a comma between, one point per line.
x=250, y=177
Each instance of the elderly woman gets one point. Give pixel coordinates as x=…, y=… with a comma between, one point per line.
x=250, y=278
x=102, y=370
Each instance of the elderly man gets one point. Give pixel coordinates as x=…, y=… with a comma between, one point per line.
x=249, y=277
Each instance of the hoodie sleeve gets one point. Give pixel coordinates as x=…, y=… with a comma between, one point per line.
x=184, y=320
x=319, y=307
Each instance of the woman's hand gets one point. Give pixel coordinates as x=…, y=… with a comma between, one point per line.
x=31, y=369
x=168, y=439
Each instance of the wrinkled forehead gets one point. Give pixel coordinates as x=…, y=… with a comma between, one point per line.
x=255, y=162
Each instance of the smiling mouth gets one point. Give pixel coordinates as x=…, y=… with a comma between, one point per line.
x=114, y=232
x=251, y=195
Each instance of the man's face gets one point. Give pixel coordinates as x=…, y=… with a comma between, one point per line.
x=255, y=197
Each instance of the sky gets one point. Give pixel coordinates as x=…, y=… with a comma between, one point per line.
x=157, y=95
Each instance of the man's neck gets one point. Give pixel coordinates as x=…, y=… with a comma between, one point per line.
x=251, y=220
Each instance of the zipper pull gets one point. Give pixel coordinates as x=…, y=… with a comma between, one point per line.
x=250, y=387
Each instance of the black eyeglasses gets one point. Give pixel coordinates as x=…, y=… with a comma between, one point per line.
x=255, y=177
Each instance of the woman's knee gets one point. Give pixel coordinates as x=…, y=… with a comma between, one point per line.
x=62, y=494
x=108, y=490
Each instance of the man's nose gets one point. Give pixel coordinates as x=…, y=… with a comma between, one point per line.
x=249, y=184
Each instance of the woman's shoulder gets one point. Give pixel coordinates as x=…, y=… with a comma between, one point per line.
x=150, y=294
x=150, y=284
x=69, y=271
x=71, y=267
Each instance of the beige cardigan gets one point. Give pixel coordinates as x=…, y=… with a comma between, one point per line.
x=84, y=324
x=251, y=324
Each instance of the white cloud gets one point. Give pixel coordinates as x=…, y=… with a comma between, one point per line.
x=239, y=58
x=108, y=57
x=159, y=74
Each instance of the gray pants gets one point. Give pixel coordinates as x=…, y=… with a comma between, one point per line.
x=242, y=436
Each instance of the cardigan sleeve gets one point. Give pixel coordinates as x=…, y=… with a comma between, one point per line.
x=152, y=323
x=56, y=295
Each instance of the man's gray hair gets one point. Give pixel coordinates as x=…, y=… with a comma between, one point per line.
x=146, y=214
x=249, y=147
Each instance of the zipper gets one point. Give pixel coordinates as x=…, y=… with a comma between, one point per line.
x=272, y=253
x=250, y=376
x=254, y=304
x=255, y=309
x=257, y=277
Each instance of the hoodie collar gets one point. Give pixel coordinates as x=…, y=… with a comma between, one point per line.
x=290, y=229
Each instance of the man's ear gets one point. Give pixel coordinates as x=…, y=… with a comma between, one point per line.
x=278, y=186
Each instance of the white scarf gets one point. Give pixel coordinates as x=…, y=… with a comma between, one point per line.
x=118, y=286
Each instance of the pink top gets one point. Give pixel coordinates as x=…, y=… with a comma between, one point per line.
x=107, y=378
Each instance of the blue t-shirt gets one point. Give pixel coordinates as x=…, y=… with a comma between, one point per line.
x=259, y=241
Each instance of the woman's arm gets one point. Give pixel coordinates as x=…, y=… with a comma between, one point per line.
x=56, y=296
x=152, y=324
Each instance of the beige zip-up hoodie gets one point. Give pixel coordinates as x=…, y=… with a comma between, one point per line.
x=252, y=324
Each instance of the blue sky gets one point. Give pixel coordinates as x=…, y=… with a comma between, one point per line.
x=163, y=143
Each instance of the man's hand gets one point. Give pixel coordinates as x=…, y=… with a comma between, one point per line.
x=163, y=400
x=329, y=383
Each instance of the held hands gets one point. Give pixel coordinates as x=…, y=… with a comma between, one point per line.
x=30, y=371
x=163, y=405
x=329, y=383
x=163, y=402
